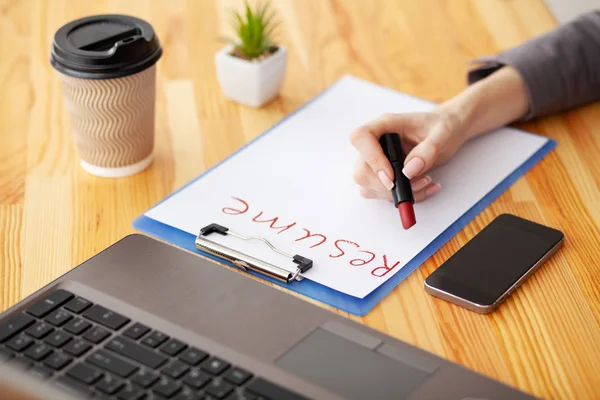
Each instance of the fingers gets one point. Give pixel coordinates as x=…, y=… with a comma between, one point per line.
x=420, y=183
x=370, y=151
x=419, y=195
x=373, y=171
x=366, y=140
x=364, y=176
x=421, y=159
x=424, y=155
x=428, y=191
x=372, y=188
x=372, y=194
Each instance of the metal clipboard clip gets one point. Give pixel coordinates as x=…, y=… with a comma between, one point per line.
x=245, y=261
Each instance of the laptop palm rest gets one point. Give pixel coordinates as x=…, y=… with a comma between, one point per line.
x=345, y=361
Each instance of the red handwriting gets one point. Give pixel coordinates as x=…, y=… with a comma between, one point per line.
x=242, y=207
x=385, y=269
x=308, y=234
x=357, y=262
x=337, y=246
x=273, y=221
x=233, y=211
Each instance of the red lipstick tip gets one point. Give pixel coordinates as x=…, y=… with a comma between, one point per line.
x=407, y=214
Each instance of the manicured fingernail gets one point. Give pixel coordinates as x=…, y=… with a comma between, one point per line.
x=421, y=183
x=413, y=168
x=433, y=189
x=387, y=182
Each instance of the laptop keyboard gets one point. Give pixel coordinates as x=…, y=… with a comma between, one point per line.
x=96, y=352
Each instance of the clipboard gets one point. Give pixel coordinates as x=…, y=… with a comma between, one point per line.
x=246, y=261
x=352, y=305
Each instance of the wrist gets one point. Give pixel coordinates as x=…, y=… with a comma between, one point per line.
x=495, y=101
x=460, y=113
x=464, y=112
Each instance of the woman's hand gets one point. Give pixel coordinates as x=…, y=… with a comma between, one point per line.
x=432, y=138
x=429, y=139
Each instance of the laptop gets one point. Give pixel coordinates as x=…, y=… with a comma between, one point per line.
x=145, y=320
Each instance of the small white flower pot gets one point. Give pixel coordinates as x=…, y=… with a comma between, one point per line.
x=252, y=83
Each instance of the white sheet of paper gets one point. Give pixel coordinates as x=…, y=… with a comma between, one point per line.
x=301, y=173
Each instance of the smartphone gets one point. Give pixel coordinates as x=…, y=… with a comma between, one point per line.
x=492, y=265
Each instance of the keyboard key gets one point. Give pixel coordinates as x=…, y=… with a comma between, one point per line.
x=50, y=303
x=166, y=387
x=188, y=394
x=175, y=369
x=105, y=317
x=112, y=364
x=134, y=351
x=173, y=347
x=241, y=394
x=19, y=343
x=215, y=366
x=57, y=361
x=136, y=331
x=131, y=392
x=58, y=338
x=14, y=325
x=21, y=362
x=155, y=339
x=193, y=356
x=219, y=388
x=96, y=334
x=84, y=373
x=39, y=351
x=77, y=326
x=77, y=347
x=237, y=376
x=196, y=378
x=145, y=378
x=109, y=384
x=58, y=318
x=264, y=388
x=39, y=330
x=72, y=386
x=78, y=305
x=41, y=372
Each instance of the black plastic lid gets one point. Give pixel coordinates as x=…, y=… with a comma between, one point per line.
x=104, y=47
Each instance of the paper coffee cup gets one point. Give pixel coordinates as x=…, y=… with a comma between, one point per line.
x=107, y=69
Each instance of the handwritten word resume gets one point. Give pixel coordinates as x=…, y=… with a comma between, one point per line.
x=294, y=187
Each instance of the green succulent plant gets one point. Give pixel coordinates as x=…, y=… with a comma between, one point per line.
x=254, y=29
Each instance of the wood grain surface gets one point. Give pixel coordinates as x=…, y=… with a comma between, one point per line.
x=544, y=340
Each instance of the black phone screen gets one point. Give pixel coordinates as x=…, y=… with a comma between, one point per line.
x=491, y=262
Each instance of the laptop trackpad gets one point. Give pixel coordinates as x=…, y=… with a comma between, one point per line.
x=349, y=369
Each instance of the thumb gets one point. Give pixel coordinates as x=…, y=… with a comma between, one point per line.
x=422, y=158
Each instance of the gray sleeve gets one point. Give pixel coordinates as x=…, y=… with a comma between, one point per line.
x=561, y=69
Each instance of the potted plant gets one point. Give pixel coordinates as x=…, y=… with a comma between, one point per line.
x=251, y=68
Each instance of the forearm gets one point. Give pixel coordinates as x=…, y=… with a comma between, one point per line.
x=548, y=74
x=497, y=100
x=561, y=69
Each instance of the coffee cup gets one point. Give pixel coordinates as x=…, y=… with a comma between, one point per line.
x=107, y=69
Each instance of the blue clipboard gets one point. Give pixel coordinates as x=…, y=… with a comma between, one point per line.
x=342, y=301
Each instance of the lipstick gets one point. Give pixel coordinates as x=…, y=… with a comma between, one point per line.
x=402, y=191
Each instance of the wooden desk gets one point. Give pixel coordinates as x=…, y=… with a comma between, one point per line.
x=544, y=340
